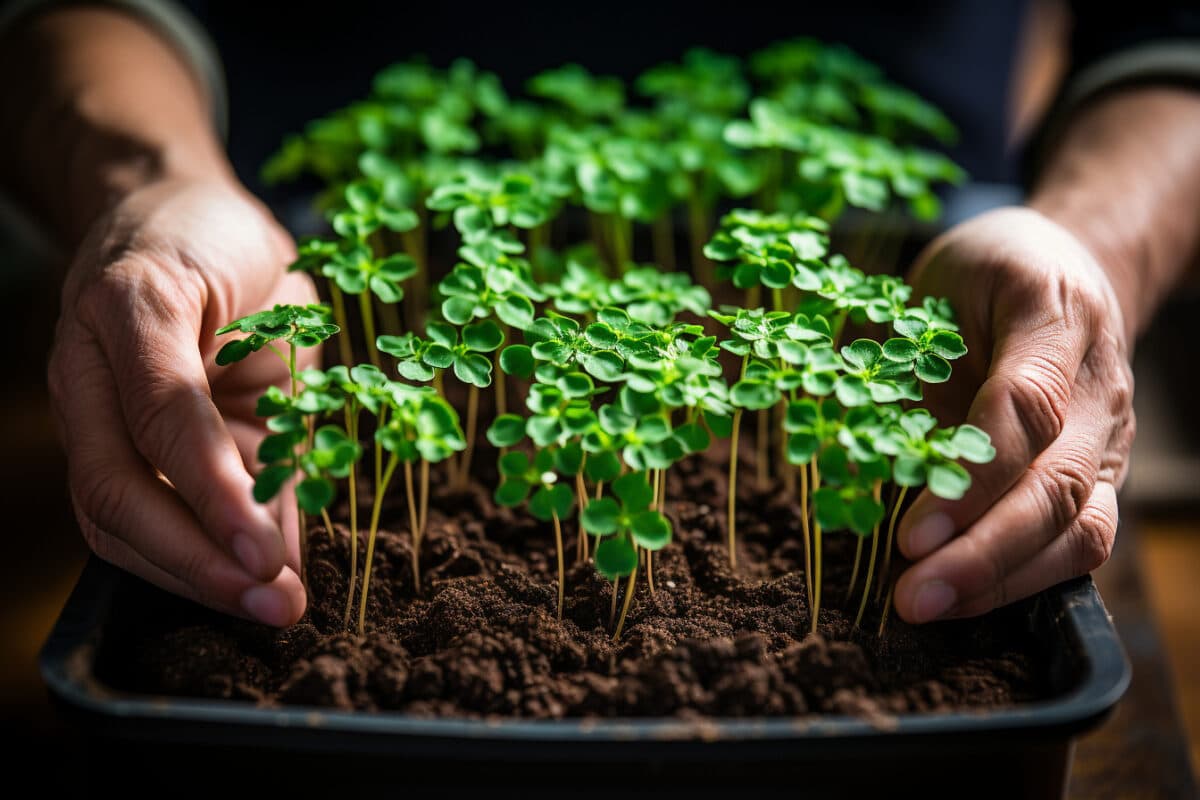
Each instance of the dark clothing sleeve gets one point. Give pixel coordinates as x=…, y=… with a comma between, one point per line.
x=1115, y=46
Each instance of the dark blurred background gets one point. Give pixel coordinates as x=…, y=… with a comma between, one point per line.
x=993, y=66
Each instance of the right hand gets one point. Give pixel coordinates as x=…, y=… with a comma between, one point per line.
x=160, y=441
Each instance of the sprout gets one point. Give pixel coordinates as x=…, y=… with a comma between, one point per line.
x=551, y=501
x=623, y=525
x=618, y=383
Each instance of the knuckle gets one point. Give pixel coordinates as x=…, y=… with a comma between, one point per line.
x=1067, y=484
x=1092, y=538
x=1039, y=395
x=103, y=497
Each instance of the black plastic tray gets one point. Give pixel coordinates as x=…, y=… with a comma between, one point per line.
x=1023, y=751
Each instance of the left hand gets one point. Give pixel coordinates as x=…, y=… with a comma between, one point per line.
x=1048, y=377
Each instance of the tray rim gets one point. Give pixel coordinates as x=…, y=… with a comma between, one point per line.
x=67, y=658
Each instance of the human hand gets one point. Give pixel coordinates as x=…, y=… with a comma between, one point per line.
x=158, y=440
x=1049, y=379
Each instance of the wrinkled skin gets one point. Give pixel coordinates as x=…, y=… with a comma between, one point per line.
x=1048, y=377
x=159, y=437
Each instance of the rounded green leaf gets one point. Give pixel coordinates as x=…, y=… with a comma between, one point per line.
x=650, y=530
x=473, y=368
x=829, y=509
x=314, y=494
x=516, y=311
x=800, y=447
x=863, y=514
x=946, y=344
x=438, y=356
x=754, y=394
x=973, y=444
x=506, y=430
x=600, y=517
x=514, y=464
x=900, y=350
x=458, y=310
x=932, y=368
x=550, y=500
x=234, y=351
x=279, y=446
x=512, y=492
x=615, y=557
x=483, y=337
x=693, y=437
x=862, y=353
x=517, y=360
x=948, y=480
x=602, y=466
x=270, y=481
x=852, y=391
x=568, y=459
x=633, y=490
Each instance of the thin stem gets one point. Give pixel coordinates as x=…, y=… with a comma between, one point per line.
x=424, y=497
x=328, y=524
x=789, y=474
x=808, y=574
x=464, y=467
x=777, y=298
x=338, y=301
x=650, y=571
x=414, y=523
x=858, y=549
x=629, y=587
x=368, y=322
x=816, y=611
x=887, y=552
x=599, y=489
x=352, y=429
x=581, y=545
x=862, y=606
x=380, y=489
x=731, y=514
x=612, y=608
x=558, y=549
x=887, y=606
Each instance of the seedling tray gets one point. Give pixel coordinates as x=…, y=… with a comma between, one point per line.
x=1024, y=751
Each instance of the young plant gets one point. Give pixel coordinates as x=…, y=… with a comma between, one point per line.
x=536, y=483
x=623, y=524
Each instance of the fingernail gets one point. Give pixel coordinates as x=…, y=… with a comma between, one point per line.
x=248, y=553
x=267, y=604
x=930, y=533
x=934, y=599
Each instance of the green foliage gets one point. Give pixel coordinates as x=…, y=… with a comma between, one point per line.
x=417, y=359
x=620, y=379
x=300, y=326
x=623, y=522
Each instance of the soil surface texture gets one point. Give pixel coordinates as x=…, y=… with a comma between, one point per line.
x=481, y=638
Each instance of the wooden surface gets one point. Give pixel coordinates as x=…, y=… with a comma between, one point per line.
x=1151, y=587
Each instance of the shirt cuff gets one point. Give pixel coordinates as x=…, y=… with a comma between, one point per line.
x=1168, y=62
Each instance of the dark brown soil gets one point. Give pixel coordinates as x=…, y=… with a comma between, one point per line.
x=481, y=637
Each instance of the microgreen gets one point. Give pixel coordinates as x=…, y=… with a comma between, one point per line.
x=619, y=378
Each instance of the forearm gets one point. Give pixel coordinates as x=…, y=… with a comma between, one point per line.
x=98, y=104
x=1125, y=180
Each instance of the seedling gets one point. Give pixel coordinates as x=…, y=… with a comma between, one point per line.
x=623, y=524
x=620, y=383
